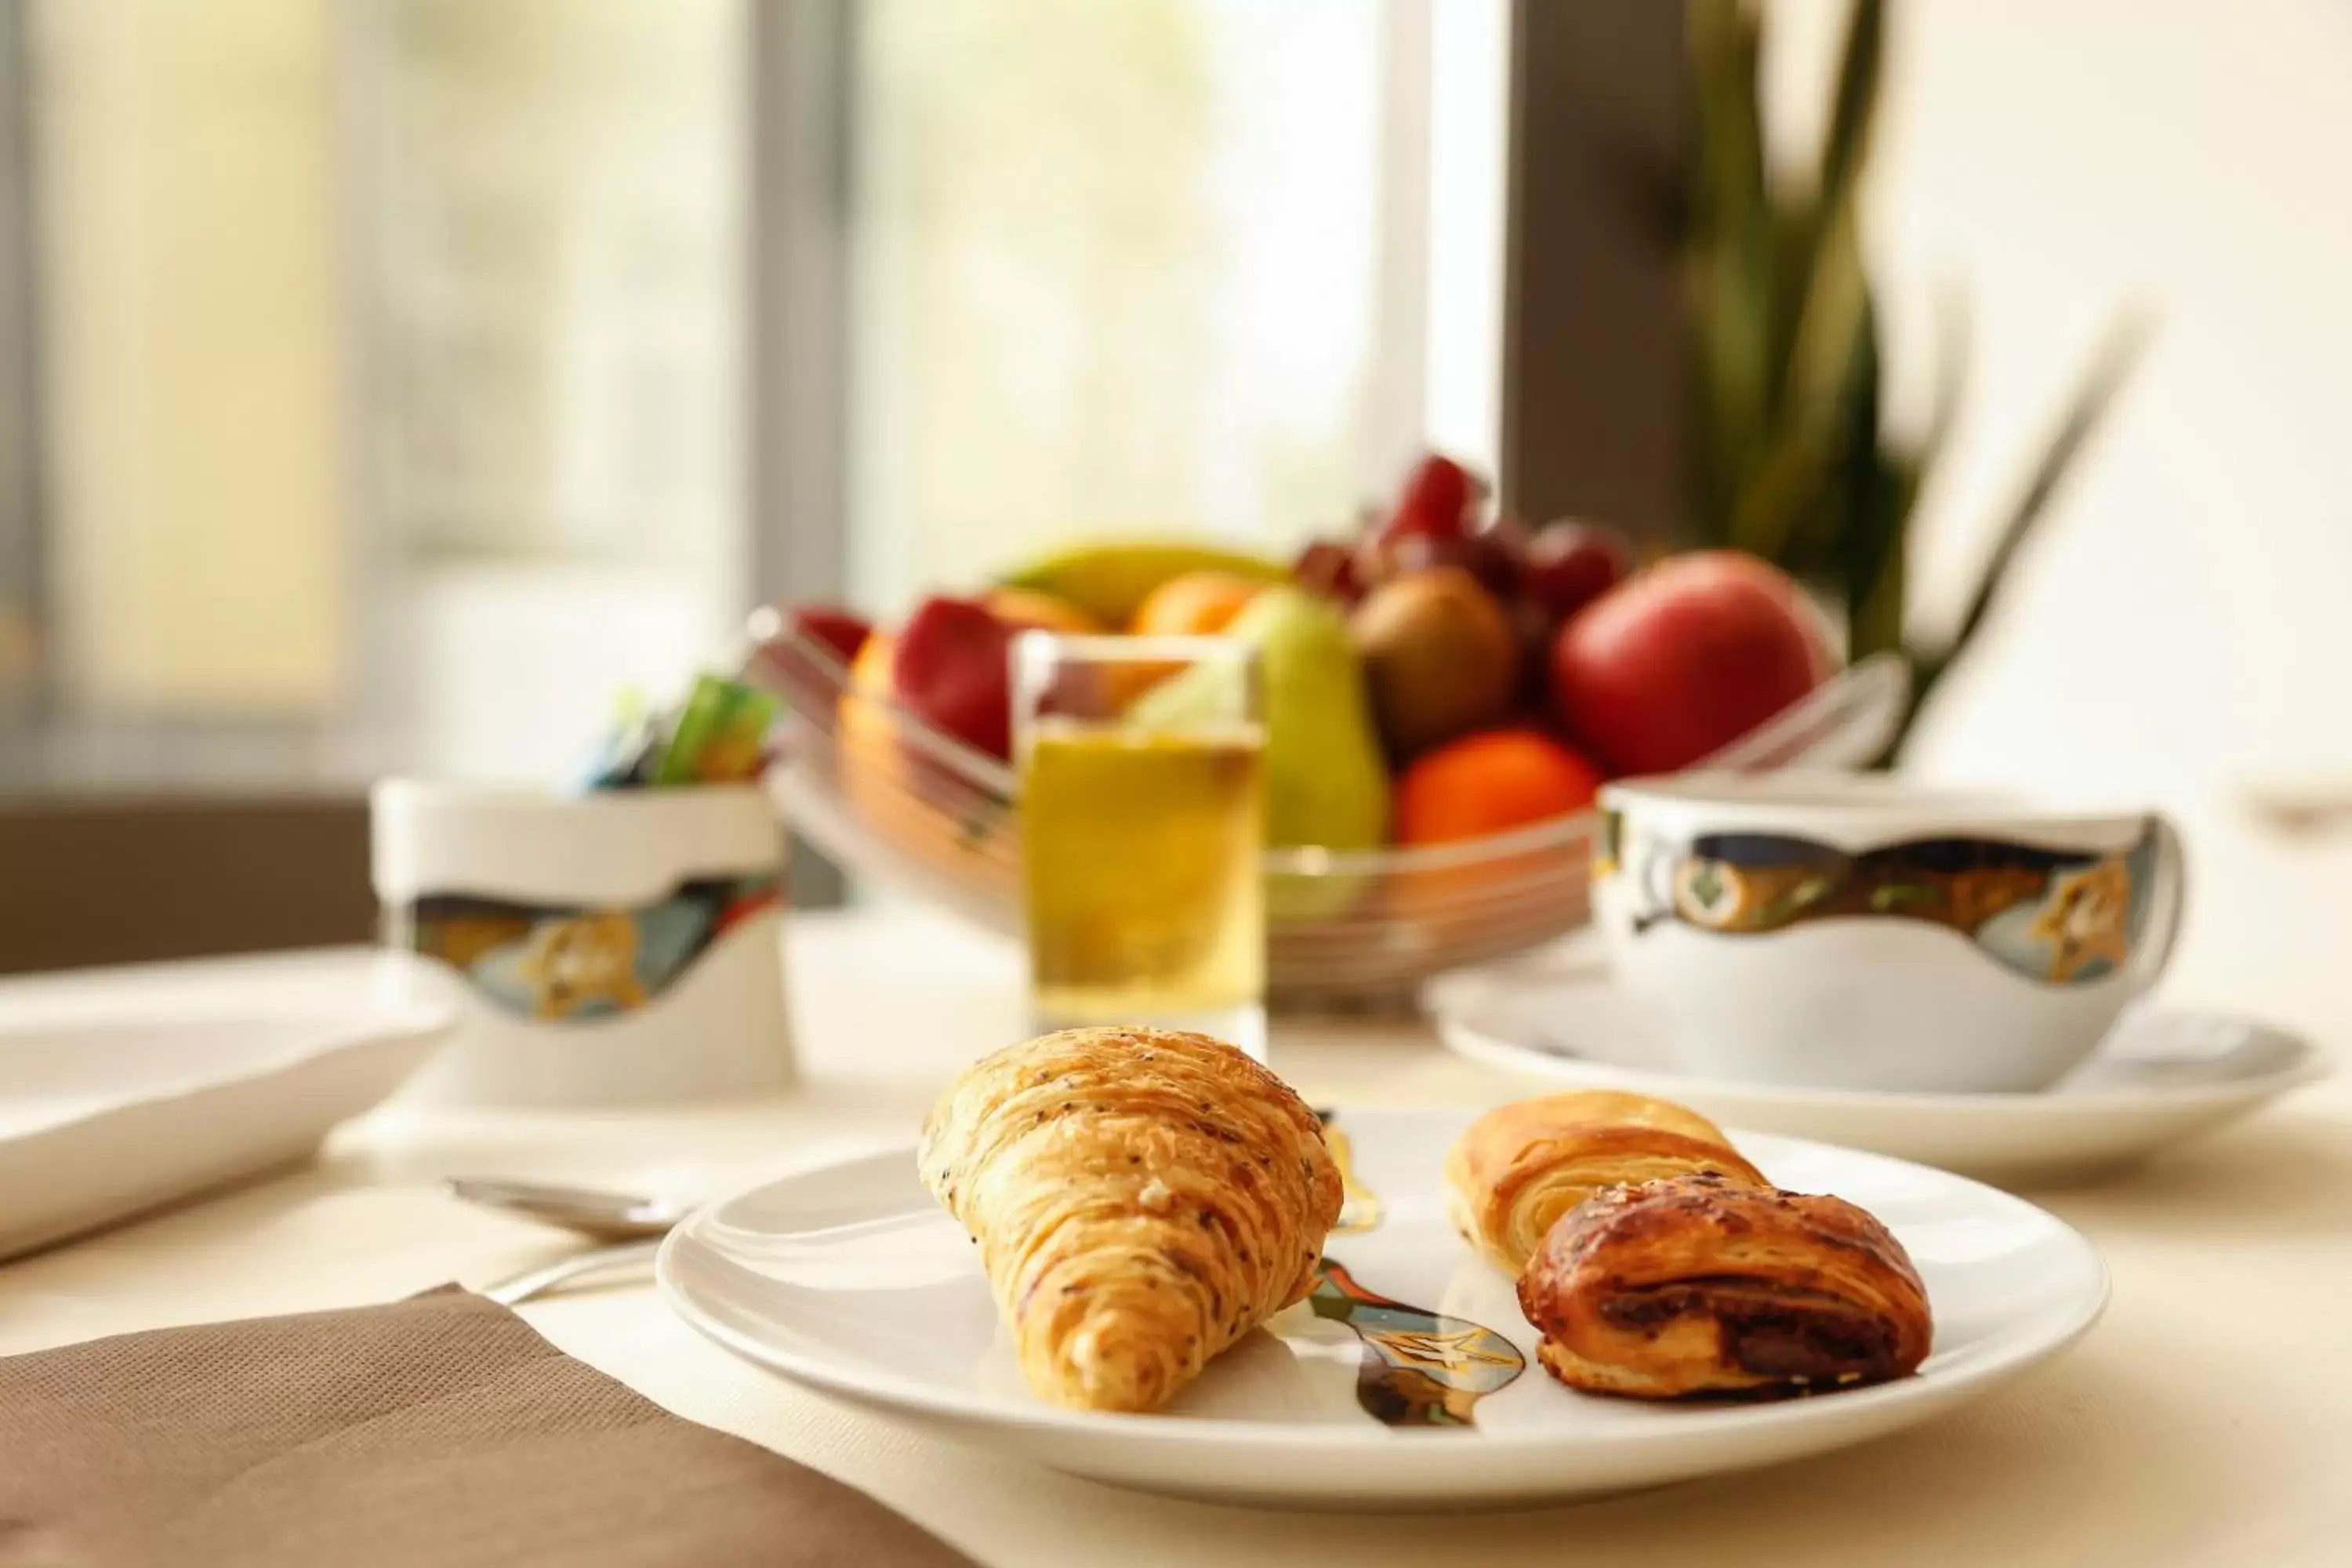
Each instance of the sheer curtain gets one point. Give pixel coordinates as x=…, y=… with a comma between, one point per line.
x=1119, y=268
x=403, y=373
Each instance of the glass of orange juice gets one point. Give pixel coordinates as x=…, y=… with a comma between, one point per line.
x=1142, y=769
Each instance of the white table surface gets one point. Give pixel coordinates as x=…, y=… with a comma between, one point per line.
x=2208, y=1420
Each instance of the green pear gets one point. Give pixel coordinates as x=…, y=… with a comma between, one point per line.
x=1326, y=783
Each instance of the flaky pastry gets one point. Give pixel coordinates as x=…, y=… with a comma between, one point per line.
x=1698, y=1286
x=1142, y=1198
x=1519, y=1168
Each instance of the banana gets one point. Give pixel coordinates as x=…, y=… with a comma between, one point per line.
x=1110, y=579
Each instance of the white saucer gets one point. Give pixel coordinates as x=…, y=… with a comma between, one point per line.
x=2159, y=1080
x=849, y=1279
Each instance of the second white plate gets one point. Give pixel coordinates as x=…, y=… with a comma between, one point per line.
x=849, y=1279
x=2159, y=1080
x=124, y=1088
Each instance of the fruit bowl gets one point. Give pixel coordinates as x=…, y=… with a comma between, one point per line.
x=882, y=793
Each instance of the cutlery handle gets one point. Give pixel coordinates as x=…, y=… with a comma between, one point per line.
x=563, y=1271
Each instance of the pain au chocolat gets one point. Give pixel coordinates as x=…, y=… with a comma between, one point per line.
x=1703, y=1285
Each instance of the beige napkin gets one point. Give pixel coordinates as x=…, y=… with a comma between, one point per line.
x=439, y=1430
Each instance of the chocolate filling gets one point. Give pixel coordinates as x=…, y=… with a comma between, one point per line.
x=1811, y=1347
x=1800, y=1336
x=1647, y=1308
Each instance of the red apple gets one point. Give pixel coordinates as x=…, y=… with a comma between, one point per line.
x=843, y=631
x=1682, y=660
x=1570, y=564
x=952, y=666
x=804, y=653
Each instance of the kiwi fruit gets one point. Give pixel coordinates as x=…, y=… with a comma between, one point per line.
x=1440, y=657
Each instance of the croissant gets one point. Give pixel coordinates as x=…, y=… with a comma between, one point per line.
x=1512, y=1174
x=1698, y=1286
x=1142, y=1198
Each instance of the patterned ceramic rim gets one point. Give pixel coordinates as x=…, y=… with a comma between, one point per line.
x=573, y=963
x=2055, y=916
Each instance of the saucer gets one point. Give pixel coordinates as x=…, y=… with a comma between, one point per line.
x=2158, y=1078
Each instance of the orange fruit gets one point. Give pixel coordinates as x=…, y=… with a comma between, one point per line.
x=1035, y=608
x=870, y=672
x=1484, y=784
x=865, y=731
x=1194, y=603
x=903, y=794
x=1491, y=783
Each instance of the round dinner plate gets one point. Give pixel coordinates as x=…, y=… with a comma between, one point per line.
x=2160, y=1077
x=1395, y=1386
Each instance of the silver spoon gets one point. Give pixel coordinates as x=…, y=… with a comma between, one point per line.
x=514, y=1292
x=638, y=1224
x=606, y=1216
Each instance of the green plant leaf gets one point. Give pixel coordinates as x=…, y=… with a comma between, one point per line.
x=2111, y=365
x=1919, y=465
x=1729, y=377
x=1872, y=552
x=2109, y=370
x=1833, y=317
x=1725, y=39
x=1789, y=460
x=1787, y=489
x=1728, y=269
x=1876, y=591
x=1811, y=220
x=1813, y=489
x=1862, y=64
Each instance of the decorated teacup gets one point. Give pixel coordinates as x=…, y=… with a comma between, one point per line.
x=1857, y=932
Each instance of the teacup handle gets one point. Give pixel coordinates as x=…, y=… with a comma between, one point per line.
x=1653, y=881
x=2149, y=958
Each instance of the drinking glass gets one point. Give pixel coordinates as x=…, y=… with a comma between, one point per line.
x=1142, y=823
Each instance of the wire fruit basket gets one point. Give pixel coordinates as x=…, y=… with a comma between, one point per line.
x=885, y=794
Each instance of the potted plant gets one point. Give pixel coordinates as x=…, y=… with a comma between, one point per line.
x=1791, y=459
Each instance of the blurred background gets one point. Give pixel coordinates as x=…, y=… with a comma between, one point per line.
x=385, y=384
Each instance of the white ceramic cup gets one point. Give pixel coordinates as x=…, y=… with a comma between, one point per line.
x=613, y=948
x=1858, y=931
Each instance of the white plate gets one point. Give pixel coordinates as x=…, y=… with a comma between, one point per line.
x=851, y=1281
x=2159, y=1079
x=124, y=1088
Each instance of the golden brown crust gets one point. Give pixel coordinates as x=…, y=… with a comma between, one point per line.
x=1518, y=1169
x=1142, y=1199
x=1700, y=1286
